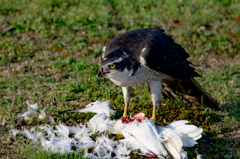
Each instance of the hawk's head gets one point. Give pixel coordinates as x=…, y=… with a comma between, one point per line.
x=117, y=64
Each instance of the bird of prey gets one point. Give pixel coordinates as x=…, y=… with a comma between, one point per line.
x=149, y=55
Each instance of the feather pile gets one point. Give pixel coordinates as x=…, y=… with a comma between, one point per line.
x=139, y=132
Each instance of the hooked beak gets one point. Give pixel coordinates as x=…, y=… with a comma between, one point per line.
x=101, y=72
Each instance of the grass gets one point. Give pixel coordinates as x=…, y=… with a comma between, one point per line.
x=49, y=50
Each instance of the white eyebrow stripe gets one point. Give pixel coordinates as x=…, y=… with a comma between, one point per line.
x=117, y=60
x=104, y=48
x=143, y=49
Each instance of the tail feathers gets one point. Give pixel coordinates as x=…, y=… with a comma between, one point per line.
x=189, y=90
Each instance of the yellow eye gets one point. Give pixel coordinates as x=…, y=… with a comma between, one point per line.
x=112, y=66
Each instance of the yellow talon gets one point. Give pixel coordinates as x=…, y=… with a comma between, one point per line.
x=124, y=115
x=153, y=118
x=125, y=110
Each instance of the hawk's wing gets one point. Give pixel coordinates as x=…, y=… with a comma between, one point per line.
x=155, y=50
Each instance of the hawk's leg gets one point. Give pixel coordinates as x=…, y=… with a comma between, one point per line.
x=127, y=91
x=155, y=89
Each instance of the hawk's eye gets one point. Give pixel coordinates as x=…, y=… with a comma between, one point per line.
x=112, y=66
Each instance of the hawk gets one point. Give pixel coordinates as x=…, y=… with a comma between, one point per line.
x=149, y=55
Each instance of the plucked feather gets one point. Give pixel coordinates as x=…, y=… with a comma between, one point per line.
x=62, y=130
x=51, y=120
x=57, y=144
x=101, y=123
x=84, y=132
x=104, y=145
x=86, y=143
x=97, y=107
x=122, y=151
x=74, y=129
x=42, y=115
x=35, y=136
x=48, y=129
x=14, y=132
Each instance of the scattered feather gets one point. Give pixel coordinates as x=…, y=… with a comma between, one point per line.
x=48, y=129
x=14, y=132
x=86, y=143
x=101, y=123
x=104, y=145
x=35, y=136
x=57, y=144
x=33, y=106
x=62, y=130
x=42, y=115
x=97, y=107
x=51, y=120
x=139, y=132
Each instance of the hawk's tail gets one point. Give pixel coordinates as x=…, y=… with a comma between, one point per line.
x=189, y=90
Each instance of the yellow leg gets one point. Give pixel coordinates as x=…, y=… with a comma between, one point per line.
x=125, y=110
x=154, y=113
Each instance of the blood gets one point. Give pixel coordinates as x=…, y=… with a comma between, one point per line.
x=152, y=155
x=139, y=117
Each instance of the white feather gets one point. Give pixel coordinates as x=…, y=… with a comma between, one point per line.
x=189, y=133
x=90, y=155
x=144, y=131
x=62, y=130
x=183, y=154
x=14, y=132
x=74, y=129
x=57, y=144
x=121, y=151
x=30, y=112
x=33, y=136
x=42, y=115
x=86, y=143
x=101, y=123
x=104, y=145
x=133, y=144
x=33, y=106
x=48, y=129
x=51, y=120
x=83, y=132
x=99, y=108
x=170, y=137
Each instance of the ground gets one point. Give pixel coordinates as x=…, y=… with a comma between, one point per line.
x=49, y=54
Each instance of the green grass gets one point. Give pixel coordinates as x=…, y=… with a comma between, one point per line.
x=49, y=50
